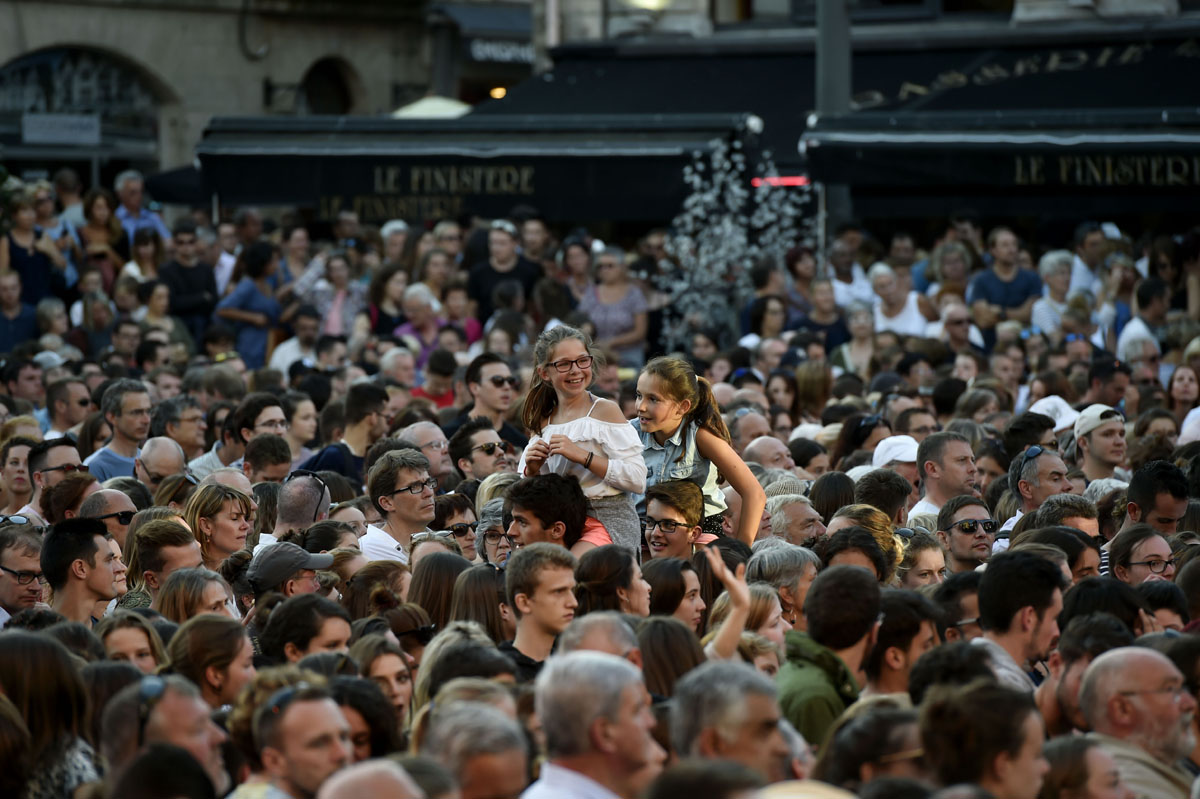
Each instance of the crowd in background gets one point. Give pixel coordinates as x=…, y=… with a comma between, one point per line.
x=431, y=510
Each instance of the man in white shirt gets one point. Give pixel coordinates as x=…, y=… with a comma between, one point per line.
x=596, y=715
x=1090, y=246
x=849, y=280
x=303, y=501
x=402, y=490
x=301, y=347
x=946, y=467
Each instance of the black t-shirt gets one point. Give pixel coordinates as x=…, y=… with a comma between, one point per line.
x=527, y=668
x=484, y=278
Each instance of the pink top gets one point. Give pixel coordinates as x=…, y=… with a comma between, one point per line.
x=595, y=533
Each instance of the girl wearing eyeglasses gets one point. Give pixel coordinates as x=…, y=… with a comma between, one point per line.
x=579, y=434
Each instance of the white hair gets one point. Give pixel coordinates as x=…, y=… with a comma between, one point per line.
x=575, y=689
x=125, y=177
x=1133, y=348
x=713, y=696
x=880, y=269
x=461, y=730
x=393, y=226
x=388, y=361
x=777, y=507
x=422, y=294
x=1054, y=261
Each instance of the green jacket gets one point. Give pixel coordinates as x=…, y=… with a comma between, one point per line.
x=815, y=687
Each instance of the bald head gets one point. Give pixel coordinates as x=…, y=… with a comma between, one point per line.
x=1137, y=694
x=165, y=452
x=234, y=478
x=770, y=452
x=103, y=505
x=371, y=778
x=302, y=501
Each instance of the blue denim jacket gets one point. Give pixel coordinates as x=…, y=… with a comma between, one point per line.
x=678, y=459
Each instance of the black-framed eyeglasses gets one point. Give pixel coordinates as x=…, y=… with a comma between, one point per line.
x=490, y=447
x=461, y=529
x=967, y=526
x=1155, y=566
x=123, y=517
x=66, y=467
x=150, y=692
x=565, y=365
x=668, y=526
x=494, y=536
x=417, y=488
x=24, y=578
x=315, y=476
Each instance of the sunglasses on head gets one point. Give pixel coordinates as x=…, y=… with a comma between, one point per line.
x=424, y=633
x=498, y=381
x=315, y=476
x=150, y=691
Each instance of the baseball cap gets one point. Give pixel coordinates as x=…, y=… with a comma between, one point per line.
x=857, y=472
x=1058, y=409
x=1093, y=416
x=894, y=448
x=278, y=562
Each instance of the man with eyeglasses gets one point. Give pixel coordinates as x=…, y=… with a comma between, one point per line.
x=493, y=388
x=159, y=458
x=1140, y=710
x=967, y=531
x=402, y=490
x=257, y=414
x=113, y=508
x=49, y=462
x=21, y=581
x=946, y=468
x=478, y=451
x=126, y=408
x=1020, y=597
x=182, y=420
x=432, y=442
x=917, y=423
x=67, y=404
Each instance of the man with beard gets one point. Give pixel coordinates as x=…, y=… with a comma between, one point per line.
x=967, y=531
x=1020, y=597
x=1140, y=711
x=302, y=738
x=1085, y=639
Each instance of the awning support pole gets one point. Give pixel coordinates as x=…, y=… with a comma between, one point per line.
x=834, y=53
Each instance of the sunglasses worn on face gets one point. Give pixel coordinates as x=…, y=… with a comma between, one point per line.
x=499, y=381
x=123, y=517
x=461, y=529
x=491, y=447
x=66, y=467
x=967, y=526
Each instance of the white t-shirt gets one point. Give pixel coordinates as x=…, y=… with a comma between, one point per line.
x=924, y=506
x=376, y=544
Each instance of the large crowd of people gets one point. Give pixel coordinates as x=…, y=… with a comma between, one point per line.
x=431, y=510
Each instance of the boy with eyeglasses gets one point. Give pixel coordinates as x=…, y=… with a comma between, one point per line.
x=967, y=531
x=49, y=462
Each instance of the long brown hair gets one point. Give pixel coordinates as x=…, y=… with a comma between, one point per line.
x=38, y=675
x=203, y=641
x=680, y=383
x=541, y=400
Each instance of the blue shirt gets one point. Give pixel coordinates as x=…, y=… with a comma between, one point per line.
x=105, y=464
x=19, y=330
x=677, y=458
x=251, y=340
x=1007, y=294
x=133, y=223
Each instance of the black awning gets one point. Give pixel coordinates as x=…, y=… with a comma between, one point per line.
x=493, y=19
x=615, y=168
x=1146, y=70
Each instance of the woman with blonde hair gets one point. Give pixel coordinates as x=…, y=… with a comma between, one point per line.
x=493, y=487
x=765, y=617
x=190, y=592
x=24, y=426
x=219, y=517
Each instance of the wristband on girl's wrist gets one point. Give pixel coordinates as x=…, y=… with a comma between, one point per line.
x=587, y=464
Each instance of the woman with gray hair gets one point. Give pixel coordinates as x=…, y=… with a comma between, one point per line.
x=424, y=321
x=494, y=533
x=1055, y=271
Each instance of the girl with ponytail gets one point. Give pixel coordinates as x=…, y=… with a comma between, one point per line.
x=581, y=435
x=685, y=438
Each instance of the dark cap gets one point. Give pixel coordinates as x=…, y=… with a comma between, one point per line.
x=278, y=562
